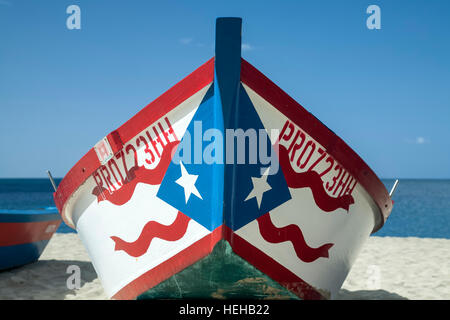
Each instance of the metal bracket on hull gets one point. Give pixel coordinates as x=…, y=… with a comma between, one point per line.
x=393, y=188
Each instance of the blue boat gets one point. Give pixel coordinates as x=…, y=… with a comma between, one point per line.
x=24, y=234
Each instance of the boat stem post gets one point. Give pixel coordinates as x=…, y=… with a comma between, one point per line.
x=393, y=188
x=227, y=66
x=51, y=179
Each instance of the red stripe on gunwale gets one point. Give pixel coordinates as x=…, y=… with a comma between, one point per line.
x=334, y=145
x=14, y=233
x=171, y=266
x=270, y=267
x=81, y=171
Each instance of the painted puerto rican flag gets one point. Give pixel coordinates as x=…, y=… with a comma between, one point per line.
x=169, y=186
x=173, y=212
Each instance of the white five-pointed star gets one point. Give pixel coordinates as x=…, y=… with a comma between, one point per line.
x=260, y=186
x=187, y=181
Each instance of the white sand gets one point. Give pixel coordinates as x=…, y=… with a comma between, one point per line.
x=400, y=268
x=47, y=278
x=387, y=268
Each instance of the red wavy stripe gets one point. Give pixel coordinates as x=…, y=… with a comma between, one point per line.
x=151, y=230
x=312, y=180
x=138, y=175
x=294, y=234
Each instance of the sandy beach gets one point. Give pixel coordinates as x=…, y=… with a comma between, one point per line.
x=387, y=268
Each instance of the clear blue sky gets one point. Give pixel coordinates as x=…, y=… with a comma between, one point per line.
x=385, y=92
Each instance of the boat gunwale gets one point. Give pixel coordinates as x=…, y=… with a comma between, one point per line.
x=264, y=87
x=28, y=216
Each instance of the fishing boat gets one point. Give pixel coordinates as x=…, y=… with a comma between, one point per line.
x=223, y=187
x=24, y=234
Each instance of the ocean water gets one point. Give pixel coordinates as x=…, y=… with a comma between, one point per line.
x=29, y=194
x=421, y=207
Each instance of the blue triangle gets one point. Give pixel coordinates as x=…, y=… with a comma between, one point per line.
x=225, y=186
x=206, y=210
x=238, y=177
